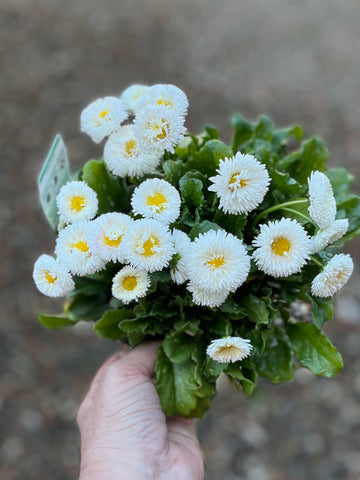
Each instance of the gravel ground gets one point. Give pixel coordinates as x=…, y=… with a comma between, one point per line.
x=297, y=61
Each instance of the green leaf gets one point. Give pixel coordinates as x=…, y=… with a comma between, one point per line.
x=243, y=130
x=232, y=223
x=177, y=386
x=314, y=349
x=285, y=183
x=191, y=190
x=174, y=170
x=211, y=133
x=178, y=347
x=111, y=192
x=322, y=310
x=208, y=158
x=312, y=156
x=84, y=307
x=276, y=363
x=55, y=321
x=256, y=309
x=264, y=128
x=280, y=136
x=351, y=210
x=108, y=325
x=241, y=377
x=203, y=227
x=340, y=180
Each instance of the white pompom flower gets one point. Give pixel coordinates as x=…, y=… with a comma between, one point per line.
x=217, y=261
x=102, y=117
x=130, y=284
x=322, y=208
x=109, y=230
x=206, y=298
x=158, y=199
x=123, y=155
x=328, y=235
x=165, y=95
x=73, y=249
x=132, y=95
x=159, y=128
x=181, y=243
x=282, y=248
x=148, y=245
x=241, y=183
x=51, y=277
x=229, y=349
x=76, y=202
x=335, y=275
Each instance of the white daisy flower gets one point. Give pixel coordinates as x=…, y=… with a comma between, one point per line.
x=123, y=155
x=130, y=284
x=181, y=243
x=148, y=245
x=52, y=278
x=229, y=349
x=76, y=202
x=132, y=95
x=283, y=248
x=334, y=276
x=109, y=230
x=102, y=117
x=217, y=261
x=328, y=235
x=165, y=95
x=158, y=199
x=159, y=128
x=241, y=183
x=203, y=297
x=322, y=208
x=73, y=249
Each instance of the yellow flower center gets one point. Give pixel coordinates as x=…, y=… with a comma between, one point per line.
x=227, y=349
x=49, y=278
x=163, y=133
x=77, y=203
x=216, y=262
x=129, y=283
x=81, y=245
x=234, y=179
x=157, y=200
x=103, y=113
x=280, y=246
x=112, y=242
x=130, y=146
x=161, y=101
x=149, y=245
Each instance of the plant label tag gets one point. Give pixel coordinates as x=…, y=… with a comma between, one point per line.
x=54, y=174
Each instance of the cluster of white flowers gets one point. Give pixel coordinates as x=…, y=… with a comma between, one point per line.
x=140, y=126
x=215, y=263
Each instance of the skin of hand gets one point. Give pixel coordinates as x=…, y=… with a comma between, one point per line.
x=124, y=432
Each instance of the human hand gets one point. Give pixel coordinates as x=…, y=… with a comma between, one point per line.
x=124, y=432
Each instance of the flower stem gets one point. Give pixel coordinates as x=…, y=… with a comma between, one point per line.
x=280, y=206
x=300, y=214
x=316, y=261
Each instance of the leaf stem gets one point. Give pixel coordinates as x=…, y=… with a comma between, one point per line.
x=317, y=261
x=278, y=207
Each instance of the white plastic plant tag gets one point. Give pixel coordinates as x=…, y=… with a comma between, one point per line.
x=54, y=174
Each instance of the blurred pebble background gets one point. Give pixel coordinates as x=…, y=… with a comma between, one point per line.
x=297, y=61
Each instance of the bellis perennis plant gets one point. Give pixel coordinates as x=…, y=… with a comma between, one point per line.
x=204, y=245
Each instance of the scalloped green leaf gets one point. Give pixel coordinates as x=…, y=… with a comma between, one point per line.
x=314, y=349
x=108, y=325
x=55, y=321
